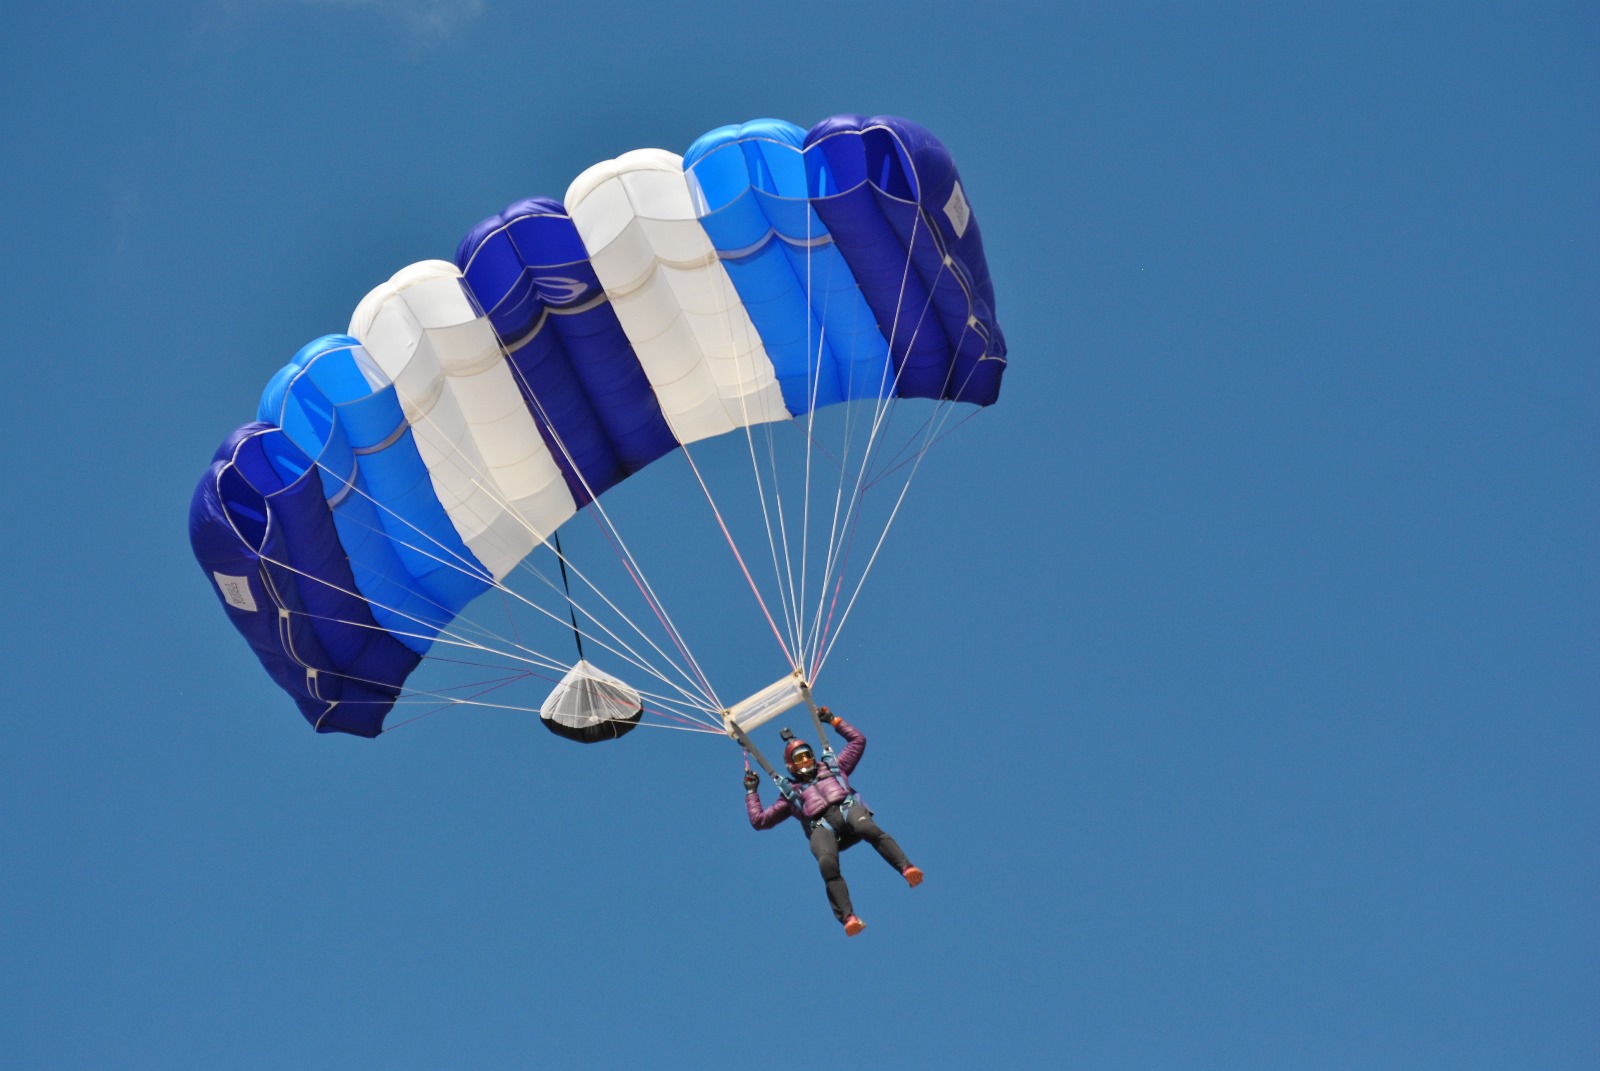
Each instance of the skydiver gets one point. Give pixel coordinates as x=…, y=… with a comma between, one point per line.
x=832, y=815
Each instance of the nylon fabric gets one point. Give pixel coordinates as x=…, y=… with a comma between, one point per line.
x=750, y=189
x=693, y=337
x=407, y=558
x=487, y=462
x=528, y=269
x=260, y=516
x=589, y=705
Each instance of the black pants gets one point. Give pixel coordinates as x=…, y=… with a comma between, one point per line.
x=826, y=846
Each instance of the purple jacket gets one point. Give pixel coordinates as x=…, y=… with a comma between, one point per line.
x=818, y=794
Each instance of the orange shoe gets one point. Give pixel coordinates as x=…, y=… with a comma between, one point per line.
x=913, y=875
x=853, y=925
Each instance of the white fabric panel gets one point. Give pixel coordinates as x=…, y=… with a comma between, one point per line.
x=587, y=696
x=672, y=295
x=490, y=467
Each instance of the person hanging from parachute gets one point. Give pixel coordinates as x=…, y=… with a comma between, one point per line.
x=833, y=816
x=396, y=474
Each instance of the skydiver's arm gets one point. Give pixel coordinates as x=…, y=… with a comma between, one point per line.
x=765, y=819
x=856, y=743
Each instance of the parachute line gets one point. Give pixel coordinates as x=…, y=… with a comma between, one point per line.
x=630, y=564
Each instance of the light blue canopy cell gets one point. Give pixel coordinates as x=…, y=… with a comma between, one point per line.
x=407, y=559
x=750, y=187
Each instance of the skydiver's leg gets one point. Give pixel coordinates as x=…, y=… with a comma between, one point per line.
x=862, y=825
x=825, y=846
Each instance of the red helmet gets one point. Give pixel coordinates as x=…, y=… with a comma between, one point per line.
x=798, y=753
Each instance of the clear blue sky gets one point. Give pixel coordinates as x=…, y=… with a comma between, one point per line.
x=1233, y=679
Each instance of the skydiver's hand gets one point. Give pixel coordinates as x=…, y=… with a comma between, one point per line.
x=828, y=716
x=751, y=781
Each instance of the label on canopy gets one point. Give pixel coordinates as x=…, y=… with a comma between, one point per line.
x=236, y=591
x=957, y=209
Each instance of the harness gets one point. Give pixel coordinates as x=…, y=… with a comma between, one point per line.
x=797, y=804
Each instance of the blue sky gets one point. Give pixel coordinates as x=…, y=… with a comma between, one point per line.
x=1233, y=678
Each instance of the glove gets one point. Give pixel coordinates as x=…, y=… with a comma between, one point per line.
x=828, y=716
x=751, y=781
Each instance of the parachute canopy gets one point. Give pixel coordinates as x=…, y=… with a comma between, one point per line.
x=398, y=470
